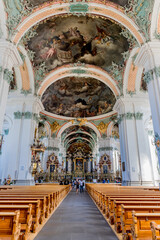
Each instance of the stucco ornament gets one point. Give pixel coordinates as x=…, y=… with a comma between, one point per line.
x=8, y=75
x=140, y=11
x=129, y=116
x=16, y=9
x=149, y=75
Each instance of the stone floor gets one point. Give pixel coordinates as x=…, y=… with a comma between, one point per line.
x=77, y=218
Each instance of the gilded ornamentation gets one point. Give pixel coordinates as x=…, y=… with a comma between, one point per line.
x=55, y=126
x=102, y=127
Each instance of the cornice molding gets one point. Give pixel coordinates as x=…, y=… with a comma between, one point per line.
x=10, y=55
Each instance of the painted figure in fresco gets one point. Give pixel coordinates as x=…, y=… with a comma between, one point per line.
x=71, y=39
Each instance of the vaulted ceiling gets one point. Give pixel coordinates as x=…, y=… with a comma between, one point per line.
x=75, y=37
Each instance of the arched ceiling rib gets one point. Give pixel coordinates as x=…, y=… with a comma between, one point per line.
x=79, y=70
x=79, y=132
x=56, y=9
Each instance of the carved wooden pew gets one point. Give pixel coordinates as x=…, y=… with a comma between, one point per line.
x=25, y=217
x=9, y=225
x=139, y=202
x=30, y=195
x=126, y=217
x=155, y=228
x=140, y=227
x=101, y=196
x=114, y=208
x=36, y=211
x=22, y=198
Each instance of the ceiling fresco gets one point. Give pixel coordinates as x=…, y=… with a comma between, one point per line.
x=120, y=2
x=78, y=97
x=79, y=129
x=78, y=136
x=76, y=145
x=71, y=39
x=35, y=3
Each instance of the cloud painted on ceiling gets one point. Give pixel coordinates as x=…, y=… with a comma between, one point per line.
x=78, y=97
x=35, y=3
x=70, y=39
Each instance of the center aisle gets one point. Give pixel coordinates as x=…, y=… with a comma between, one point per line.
x=76, y=218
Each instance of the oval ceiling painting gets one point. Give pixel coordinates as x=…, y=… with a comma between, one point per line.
x=78, y=97
x=71, y=39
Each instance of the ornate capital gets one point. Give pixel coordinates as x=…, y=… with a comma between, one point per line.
x=148, y=56
x=10, y=56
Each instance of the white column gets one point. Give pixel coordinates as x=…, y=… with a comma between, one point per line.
x=17, y=150
x=149, y=59
x=9, y=58
x=135, y=152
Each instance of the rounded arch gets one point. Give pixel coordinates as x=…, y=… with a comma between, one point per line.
x=3, y=18
x=155, y=21
x=69, y=124
x=48, y=128
x=130, y=74
x=86, y=71
x=72, y=139
x=27, y=74
x=53, y=9
x=72, y=133
x=7, y=124
x=109, y=129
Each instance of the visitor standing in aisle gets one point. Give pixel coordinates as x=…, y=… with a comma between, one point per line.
x=81, y=186
x=77, y=186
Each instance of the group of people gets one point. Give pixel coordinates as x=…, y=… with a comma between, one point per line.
x=79, y=184
x=64, y=182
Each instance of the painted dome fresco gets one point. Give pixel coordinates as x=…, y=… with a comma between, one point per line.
x=39, y=2
x=78, y=97
x=71, y=39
